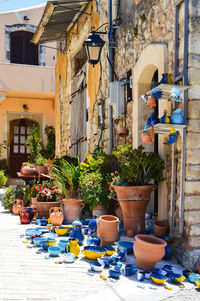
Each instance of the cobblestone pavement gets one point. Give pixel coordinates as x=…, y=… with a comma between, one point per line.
x=26, y=275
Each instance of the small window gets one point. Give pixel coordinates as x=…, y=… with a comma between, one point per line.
x=22, y=51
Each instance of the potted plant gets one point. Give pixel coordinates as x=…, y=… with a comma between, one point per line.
x=67, y=176
x=41, y=166
x=28, y=169
x=131, y=181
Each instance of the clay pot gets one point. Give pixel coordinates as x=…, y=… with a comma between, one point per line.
x=44, y=207
x=137, y=2
x=42, y=169
x=123, y=132
x=27, y=170
x=108, y=229
x=99, y=210
x=27, y=215
x=148, y=251
x=161, y=228
x=146, y=138
x=73, y=209
x=118, y=212
x=34, y=202
x=151, y=101
x=56, y=216
x=17, y=206
x=133, y=201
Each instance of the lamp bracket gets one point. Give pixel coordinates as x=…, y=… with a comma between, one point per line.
x=106, y=27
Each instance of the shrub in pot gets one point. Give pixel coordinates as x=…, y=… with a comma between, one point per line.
x=135, y=171
x=41, y=166
x=12, y=193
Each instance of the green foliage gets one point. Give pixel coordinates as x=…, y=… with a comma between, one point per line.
x=41, y=161
x=3, y=179
x=49, y=151
x=4, y=166
x=143, y=17
x=34, y=143
x=71, y=160
x=135, y=31
x=12, y=193
x=136, y=167
x=92, y=189
x=67, y=176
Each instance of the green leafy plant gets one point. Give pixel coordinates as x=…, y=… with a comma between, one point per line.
x=49, y=151
x=12, y=193
x=3, y=179
x=92, y=189
x=34, y=143
x=4, y=166
x=136, y=167
x=41, y=161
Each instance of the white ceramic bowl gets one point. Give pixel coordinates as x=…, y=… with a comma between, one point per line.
x=69, y=257
x=96, y=266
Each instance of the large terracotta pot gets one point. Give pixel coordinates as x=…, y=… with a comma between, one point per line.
x=42, y=169
x=99, y=210
x=148, y=251
x=161, y=228
x=56, y=216
x=73, y=209
x=43, y=208
x=108, y=229
x=17, y=206
x=133, y=201
x=27, y=170
x=34, y=202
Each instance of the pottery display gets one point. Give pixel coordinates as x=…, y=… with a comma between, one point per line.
x=27, y=215
x=123, y=132
x=176, y=95
x=177, y=117
x=77, y=232
x=107, y=229
x=161, y=228
x=114, y=272
x=92, y=252
x=45, y=244
x=148, y=251
x=56, y=216
x=92, y=226
x=126, y=245
x=133, y=201
x=93, y=240
x=96, y=266
x=99, y=210
x=62, y=230
x=33, y=232
x=164, y=118
x=73, y=247
x=54, y=251
x=157, y=93
x=44, y=207
x=158, y=278
x=73, y=209
x=173, y=136
x=43, y=221
x=17, y=206
x=69, y=257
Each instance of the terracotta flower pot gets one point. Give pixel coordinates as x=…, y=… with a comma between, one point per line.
x=43, y=208
x=73, y=209
x=161, y=228
x=108, y=229
x=28, y=170
x=17, y=206
x=148, y=251
x=123, y=132
x=146, y=138
x=99, y=210
x=34, y=202
x=56, y=216
x=137, y=2
x=42, y=169
x=133, y=201
x=151, y=101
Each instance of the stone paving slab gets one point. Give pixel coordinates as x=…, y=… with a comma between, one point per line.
x=26, y=275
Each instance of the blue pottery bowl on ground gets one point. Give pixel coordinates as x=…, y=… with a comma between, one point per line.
x=62, y=244
x=30, y=232
x=105, y=261
x=193, y=277
x=93, y=252
x=186, y=273
x=96, y=266
x=47, y=243
x=37, y=241
x=50, y=235
x=158, y=278
x=43, y=221
x=177, y=278
x=42, y=229
x=114, y=272
x=110, y=250
x=54, y=251
x=127, y=246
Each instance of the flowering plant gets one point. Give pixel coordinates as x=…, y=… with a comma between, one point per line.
x=45, y=192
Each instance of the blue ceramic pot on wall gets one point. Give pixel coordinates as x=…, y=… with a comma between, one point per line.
x=177, y=117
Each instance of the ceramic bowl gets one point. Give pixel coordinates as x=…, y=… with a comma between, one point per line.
x=50, y=235
x=158, y=278
x=127, y=245
x=37, y=241
x=42, y=229
x=54, y=251
x=177, y=278
x=69, y=257
x=62, y=230
x=114, y=272
x=93, y=252
x=30, y=232
x=47, y=243
x=186, y=273
x=93, y=240
x=104, y=261
x=96, y=266
x=193, y=277
x=159, y=271
x=62, y=244
x=110, y=250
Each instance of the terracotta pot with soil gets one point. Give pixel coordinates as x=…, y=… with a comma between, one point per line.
x=73, y=209
x=44, y=207
x=99, y=210
x=133, y=201
x=161, y=228
x=34, y=202
x=56, y=216
x=148, y=251
x=42, y=169
x=17, y=206
x=108, y=229
x=28, y=169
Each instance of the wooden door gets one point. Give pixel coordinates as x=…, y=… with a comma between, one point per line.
x=78, y=115
x=19, y=131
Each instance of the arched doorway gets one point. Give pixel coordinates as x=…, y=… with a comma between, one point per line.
x=19, y=131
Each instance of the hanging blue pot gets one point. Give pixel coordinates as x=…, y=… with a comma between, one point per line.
x=92, y=226
x=164, y=79
x=177, y=117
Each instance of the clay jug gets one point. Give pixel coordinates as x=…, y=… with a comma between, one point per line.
x=56, y=216
x=73, y=209
x=108, y=229
x=99, y=210
x=17, y=206
x=123, y=132
x=161, y=228
x=73, y=247
x=27, y=215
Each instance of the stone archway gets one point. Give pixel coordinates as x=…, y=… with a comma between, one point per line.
x=153, y=57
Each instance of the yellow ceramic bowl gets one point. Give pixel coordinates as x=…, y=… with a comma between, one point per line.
x=158, y=281
x=62, y=230
x=110, y=251
x=93, y=252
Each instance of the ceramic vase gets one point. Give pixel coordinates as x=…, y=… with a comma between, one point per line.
x=99, y=210
x=26, y=215
x=177, y=117
x=161, y=228
x=148, y=251
x=108, y=229
x=17, y=206
x=44, y=207
x=73, y=209
x=56, y=216
x=73, y=247
x=77, y=232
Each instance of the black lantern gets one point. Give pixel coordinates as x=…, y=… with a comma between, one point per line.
x=93, y=45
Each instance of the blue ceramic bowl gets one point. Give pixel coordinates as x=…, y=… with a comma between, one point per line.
x=93, y=240
x=114, y=272
x=105, y=261
x=50, y=235
x=126, y=245
x=54, y=251
x=47, y=243
x=96, y=266
x=159, y=271
x=42, y=229
x=193, y=277
x=158, y=278
x=177, y=278
x=30, y=232
x=114, y=258
x=62, y=244
x=37, y=241
x=93, y=252
x=110, y=250
x=186, y=273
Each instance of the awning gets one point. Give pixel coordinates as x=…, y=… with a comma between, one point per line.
x=57, y=20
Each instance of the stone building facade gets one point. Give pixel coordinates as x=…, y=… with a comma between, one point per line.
x=145, y=33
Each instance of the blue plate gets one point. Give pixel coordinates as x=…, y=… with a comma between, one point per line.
x=127, y=245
